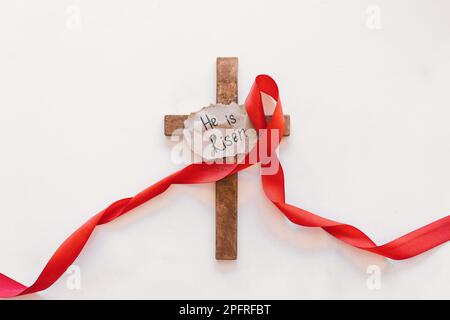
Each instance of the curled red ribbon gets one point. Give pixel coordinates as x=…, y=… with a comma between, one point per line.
x=405, y=247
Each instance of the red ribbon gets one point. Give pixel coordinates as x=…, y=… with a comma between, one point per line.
x=405, y=247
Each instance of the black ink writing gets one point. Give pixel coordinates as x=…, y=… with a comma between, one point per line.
x=222, y=142
x=211, y=122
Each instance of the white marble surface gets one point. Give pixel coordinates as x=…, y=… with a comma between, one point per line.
x=81, y=126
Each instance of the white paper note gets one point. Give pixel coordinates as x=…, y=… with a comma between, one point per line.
x=219, y=131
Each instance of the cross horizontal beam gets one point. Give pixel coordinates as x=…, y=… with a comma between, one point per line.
x=173, y=122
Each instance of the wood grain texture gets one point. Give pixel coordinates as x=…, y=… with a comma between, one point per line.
x=226, y=218
x=227, y=189
x=227, y=80
x=174, y=122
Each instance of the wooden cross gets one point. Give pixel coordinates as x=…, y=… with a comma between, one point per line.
x=227, y=188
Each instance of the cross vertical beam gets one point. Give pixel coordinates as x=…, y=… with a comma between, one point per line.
x=227, y=188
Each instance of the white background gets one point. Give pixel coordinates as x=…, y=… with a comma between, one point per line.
x=81, y=125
